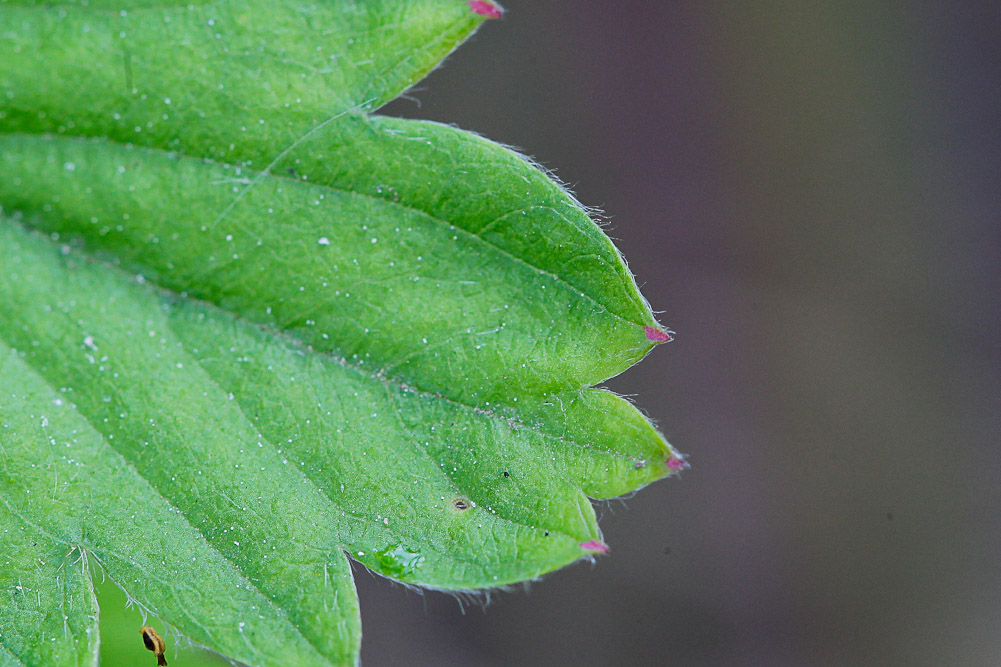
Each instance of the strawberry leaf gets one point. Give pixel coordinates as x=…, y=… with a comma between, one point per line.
x=252, y=330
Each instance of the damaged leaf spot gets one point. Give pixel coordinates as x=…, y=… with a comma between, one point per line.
x=461, y=504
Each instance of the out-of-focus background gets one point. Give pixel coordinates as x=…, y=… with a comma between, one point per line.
x=810, y=194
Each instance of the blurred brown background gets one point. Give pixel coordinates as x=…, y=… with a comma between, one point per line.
x=809, y=192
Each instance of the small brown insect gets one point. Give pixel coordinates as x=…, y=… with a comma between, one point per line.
x=460, y=504
x=154, y=642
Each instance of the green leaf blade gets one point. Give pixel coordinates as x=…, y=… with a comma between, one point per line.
x=399, y=459
x=603, y=441
x=94, y=514
x=521, y=517
x=236, y=494
x=270, y=329
x=50, y=613
x=377, y=282
x=232, y=81
x=514, y=513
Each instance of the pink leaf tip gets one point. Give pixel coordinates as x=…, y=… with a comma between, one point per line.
x=655, y=334
x=484, y=8
x=594, y=545
x=678, y=463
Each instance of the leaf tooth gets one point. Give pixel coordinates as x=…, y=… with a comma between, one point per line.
x=677, y=462
x=658, y=335
x=594, y=546
x=485, y=8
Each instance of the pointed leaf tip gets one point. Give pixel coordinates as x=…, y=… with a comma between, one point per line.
x=678, y=463
x=594, y=545
x=484, y=8
x=657, y=335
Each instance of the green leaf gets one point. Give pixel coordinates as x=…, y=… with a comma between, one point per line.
x=49, y=611
x=249, y=327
